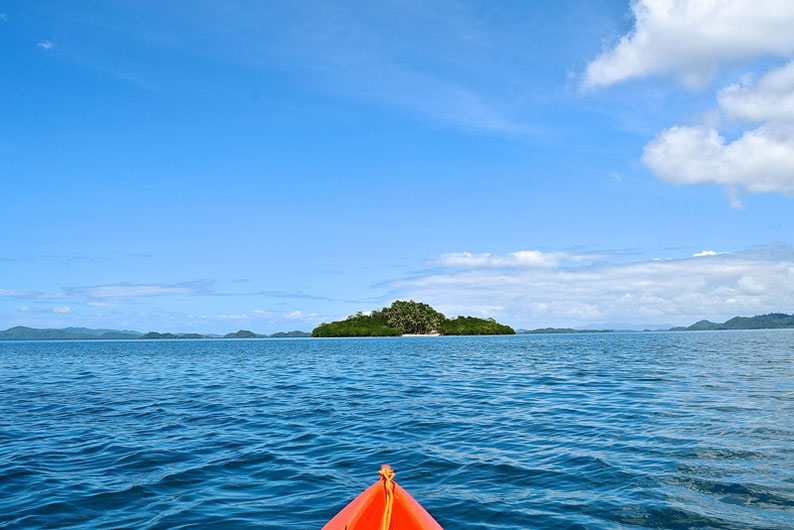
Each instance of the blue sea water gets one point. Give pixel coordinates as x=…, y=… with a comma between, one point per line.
x=569, y=431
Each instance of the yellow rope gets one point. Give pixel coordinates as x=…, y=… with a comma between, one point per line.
x=387, y=474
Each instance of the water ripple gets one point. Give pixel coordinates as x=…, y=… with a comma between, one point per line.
x=673, y=430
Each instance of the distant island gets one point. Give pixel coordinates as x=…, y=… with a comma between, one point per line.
x=768, y=321
x=25, y=333
x=245, y=334
x=401, y=318
x=541, y=331
x=409, y=318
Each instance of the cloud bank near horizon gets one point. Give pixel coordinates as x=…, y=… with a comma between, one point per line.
x=528, y=288
x=709, y=284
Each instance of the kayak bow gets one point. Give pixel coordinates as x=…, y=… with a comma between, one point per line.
x=383, y=506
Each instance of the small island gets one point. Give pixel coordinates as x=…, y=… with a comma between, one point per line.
x=409, y=318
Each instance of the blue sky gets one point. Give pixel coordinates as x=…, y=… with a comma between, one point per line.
x=205, y=166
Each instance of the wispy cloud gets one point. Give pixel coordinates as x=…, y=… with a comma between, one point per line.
x=45, y=45
x=272, y=294
x=715, y=285
x=126, y=290
x=298, y=315
x=103, y=303
x=7, y=293
x=520, y=259
x=114, y=291
x=107, y=295
x=45, y=258
x=54, y=309
x=261, y=315
x=435, y=62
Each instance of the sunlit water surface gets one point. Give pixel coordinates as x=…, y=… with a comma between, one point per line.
x=597, y=431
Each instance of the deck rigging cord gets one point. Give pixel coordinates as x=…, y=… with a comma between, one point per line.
x=387, y=474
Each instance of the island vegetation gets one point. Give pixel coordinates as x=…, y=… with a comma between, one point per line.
x=358, y=325
x=474, y=326
x=409, y=318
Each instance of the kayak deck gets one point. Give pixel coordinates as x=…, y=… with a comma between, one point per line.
x=383, y=506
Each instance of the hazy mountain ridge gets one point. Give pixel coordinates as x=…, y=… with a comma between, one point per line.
x=72, y=333
x=768, y=321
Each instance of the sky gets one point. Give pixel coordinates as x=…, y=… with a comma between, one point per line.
x=203, y=166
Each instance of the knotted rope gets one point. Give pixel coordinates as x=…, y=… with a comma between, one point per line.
x=386, y=475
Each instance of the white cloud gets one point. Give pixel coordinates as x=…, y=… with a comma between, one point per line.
x=761, y=160
x=521, y=259
x=678, y=291
x=687, y=39
x=771, y=99
x=45, y=45
x=706, y=253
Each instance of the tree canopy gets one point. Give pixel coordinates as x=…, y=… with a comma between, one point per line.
x=410, y=317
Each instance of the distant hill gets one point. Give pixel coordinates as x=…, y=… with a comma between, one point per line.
x=768, y=321
x=103, y=332
x=120, y=335
x=290, y=334
x=541, y=331
x=156, y=335
x=243, y=334
x=25, y=333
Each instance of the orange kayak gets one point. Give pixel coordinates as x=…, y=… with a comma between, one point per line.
x=383, y=506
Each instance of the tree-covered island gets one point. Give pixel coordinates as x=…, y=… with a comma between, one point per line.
x=409, y=318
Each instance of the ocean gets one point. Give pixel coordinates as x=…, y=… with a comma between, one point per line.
x=603, y=430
